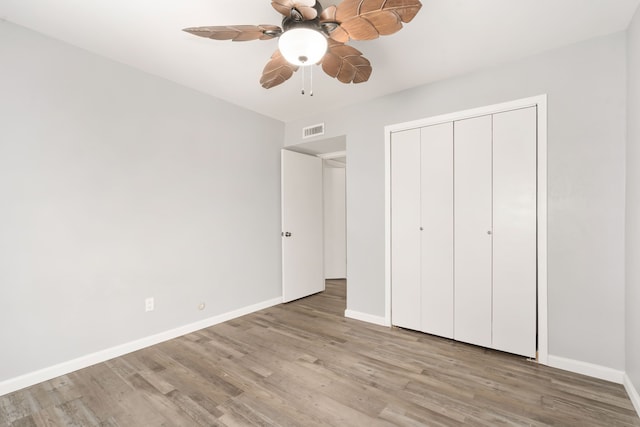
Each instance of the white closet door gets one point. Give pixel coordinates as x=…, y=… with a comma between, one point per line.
x=437, y=229
x=472, y=206
x=514, y=231
x=405, y=229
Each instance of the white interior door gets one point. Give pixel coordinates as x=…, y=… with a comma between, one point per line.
x=302, y=231
x=437, y=229
x=405, y=229
x=514, y=231
x=473, y=228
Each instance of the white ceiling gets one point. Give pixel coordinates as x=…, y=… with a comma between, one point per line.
x=447, y=38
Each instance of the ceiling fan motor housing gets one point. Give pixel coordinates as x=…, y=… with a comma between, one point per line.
x=296, y=20
x=291, y=22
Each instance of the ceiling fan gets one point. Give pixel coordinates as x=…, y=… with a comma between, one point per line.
x=313, y=35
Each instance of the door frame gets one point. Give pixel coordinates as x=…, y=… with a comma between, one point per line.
x=540, y=102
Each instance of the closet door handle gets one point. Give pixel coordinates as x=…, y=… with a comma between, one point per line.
x=489, y=232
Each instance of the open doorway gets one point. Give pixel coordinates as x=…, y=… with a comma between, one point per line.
x=333, y=152
x=335, y=218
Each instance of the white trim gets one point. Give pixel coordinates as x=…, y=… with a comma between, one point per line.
x=586, y=368
x=364, y=317
x=26, y=380
x=333, y=155
x=632, y=392
x=467, y=114
x=539, y=101
x=387, y=225
x=543, y=331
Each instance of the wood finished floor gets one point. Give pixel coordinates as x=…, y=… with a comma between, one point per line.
x=304, y=364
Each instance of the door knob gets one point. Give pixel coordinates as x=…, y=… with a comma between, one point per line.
x=489, y=232
x=286, y=234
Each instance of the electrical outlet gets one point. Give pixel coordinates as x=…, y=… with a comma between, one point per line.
x=149, y=304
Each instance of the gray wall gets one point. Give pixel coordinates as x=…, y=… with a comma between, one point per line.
x=585, y=84
x=114, y=186
x=633, y=203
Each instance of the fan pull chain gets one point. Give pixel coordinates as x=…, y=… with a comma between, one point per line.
x=310, y=81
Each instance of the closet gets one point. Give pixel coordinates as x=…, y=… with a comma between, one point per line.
x=464, y=231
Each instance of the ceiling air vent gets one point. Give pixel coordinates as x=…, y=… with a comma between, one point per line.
x=311, y=131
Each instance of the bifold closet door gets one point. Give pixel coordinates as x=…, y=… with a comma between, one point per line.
x=405, y=229
x=473, y=228
x=514, y=231
x=436, y=158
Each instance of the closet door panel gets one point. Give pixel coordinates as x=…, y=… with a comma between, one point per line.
x=472, y=242
x=405, y=229
x=514, y=231
x=437, y=229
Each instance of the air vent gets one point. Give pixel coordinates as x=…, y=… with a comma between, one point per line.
x=311, y=131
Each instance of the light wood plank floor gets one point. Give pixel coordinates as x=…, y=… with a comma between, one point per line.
x=304, y=364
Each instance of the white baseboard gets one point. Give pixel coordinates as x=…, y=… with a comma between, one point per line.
x=633, y=393
x=369, y=318
x=585, y=368
x=26, y=380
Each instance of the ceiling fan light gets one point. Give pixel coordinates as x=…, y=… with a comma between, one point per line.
x=302, y=46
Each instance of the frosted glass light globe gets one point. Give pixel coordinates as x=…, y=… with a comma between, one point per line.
x=302, y=46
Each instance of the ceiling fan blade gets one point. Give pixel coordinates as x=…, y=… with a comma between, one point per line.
x=304, y=7
x=329, y=16
x=277, y=71
x=346, y=63
x=237, y=33
x=369, y=19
